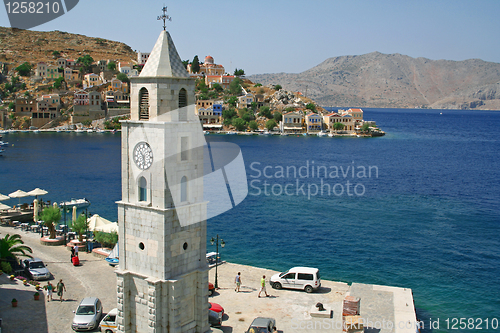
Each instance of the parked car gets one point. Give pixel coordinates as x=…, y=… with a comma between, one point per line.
x=262, y=325
x=216, y=307
x=303, y=278
x=108, y=323
x=211, y=289
x=35, y=269
x=87, y=315
x=215, y=318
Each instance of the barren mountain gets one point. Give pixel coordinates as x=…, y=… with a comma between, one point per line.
x=18, y=46
x=396, y=81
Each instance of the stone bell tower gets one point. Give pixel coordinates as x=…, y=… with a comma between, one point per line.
x=162, y=281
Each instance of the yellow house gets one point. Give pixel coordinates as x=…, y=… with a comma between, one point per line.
x=292, y=122
x=91, y=80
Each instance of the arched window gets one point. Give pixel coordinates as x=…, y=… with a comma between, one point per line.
x=183, y=189
x=182, y=105
x=143, y=104
x=182, y=98
x=143, y=189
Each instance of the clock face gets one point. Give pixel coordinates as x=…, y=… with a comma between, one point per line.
x=143, y=155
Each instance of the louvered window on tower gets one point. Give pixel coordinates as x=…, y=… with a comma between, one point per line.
x=143, y=104
x=182, y=105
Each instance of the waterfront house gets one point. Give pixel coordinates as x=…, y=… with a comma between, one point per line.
x=223, y=80
x=41, y=70
x=24, y=106
x=344, y=119
x=54, y=72
x=292, y=122
x=314, y=123
x=81, y=97
x=245, y=101
x=46, y=110
x=91, y=80
x=142, y=57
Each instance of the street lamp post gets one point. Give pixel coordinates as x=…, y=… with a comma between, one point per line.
x=222, y=244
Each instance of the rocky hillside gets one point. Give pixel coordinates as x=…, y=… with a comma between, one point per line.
x=396, y=81
x=18, y=46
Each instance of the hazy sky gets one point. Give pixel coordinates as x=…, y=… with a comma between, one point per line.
x=292, y=36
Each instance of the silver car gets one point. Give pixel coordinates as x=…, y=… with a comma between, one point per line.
x=35, y=269
x=87, y=315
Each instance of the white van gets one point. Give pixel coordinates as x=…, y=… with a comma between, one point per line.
x=108, y=323
x=303, y=278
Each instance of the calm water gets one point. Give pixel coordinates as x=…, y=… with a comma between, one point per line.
x=426, y=217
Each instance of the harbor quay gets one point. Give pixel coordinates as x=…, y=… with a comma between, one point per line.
x=383, y=309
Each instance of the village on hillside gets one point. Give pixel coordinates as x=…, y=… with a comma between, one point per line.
x=85, y=94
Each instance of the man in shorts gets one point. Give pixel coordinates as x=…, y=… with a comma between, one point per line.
x=237, y=280
x=263, y=285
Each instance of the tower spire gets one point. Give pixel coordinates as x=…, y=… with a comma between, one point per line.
x=164, y=17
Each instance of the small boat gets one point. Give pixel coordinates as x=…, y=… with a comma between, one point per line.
x=284, y=134
x=206, y=132
x=2, y=143
x=112, y=258
x=78, y=131
x=90, y=130
x=305, y=134
x=266, y=133
x=79, y=203
x=231, y=133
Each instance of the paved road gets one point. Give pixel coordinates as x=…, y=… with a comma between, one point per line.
x=94, y=277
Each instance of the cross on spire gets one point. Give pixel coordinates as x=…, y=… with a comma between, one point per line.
x=164, y=17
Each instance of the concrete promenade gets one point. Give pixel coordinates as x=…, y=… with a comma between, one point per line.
x=291, y=309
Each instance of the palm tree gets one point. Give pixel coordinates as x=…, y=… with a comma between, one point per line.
x=80, y=226
x=12, y=247
x=51, y=215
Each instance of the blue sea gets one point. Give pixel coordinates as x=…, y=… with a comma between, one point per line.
x=417, y=208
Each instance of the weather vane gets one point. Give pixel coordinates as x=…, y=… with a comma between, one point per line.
x=164, y=17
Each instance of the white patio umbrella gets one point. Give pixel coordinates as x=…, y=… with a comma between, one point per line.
x=74, y=214
x=37, y=192
x=4, y=197
x=110, y=227
x=4, y=207
x=19, y=194
x=96, y=222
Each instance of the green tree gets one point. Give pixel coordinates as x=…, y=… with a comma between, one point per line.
x=111, y=66
x=265, y=111
x=123, y=77
x=277, y=87
x=86, y=61
x=239, y=72
x=270, y=124
x=240, y=124
x=56, y=54
x=107, y=239
x=253, y=125
x=365, y=127
x=235, y=87
x=12, y=246
x=185, y=63
x=12, y=105
x=338, y=126
x=24, y=69
x=311, y=107
x=217, y=87
x=58, y=82
x=233, y=100
x=80, y=226
x=257, y=85
x=195, y=64
x=229, y=114
x=51, y=216
x=277, y=116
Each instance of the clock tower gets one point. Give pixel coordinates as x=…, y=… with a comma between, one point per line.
x=162, y=280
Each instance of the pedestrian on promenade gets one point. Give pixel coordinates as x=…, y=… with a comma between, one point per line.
x=237, y=280
x=50, y=287
x=60, y=287
x=76, y=250
x=263, y=286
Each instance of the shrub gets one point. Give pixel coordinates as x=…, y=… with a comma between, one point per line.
x=6, y=267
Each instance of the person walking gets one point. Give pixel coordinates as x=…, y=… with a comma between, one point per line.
x=50, y=287
x=263, y=286
x=60, y=287
x=76, y=250
x=237, y=280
